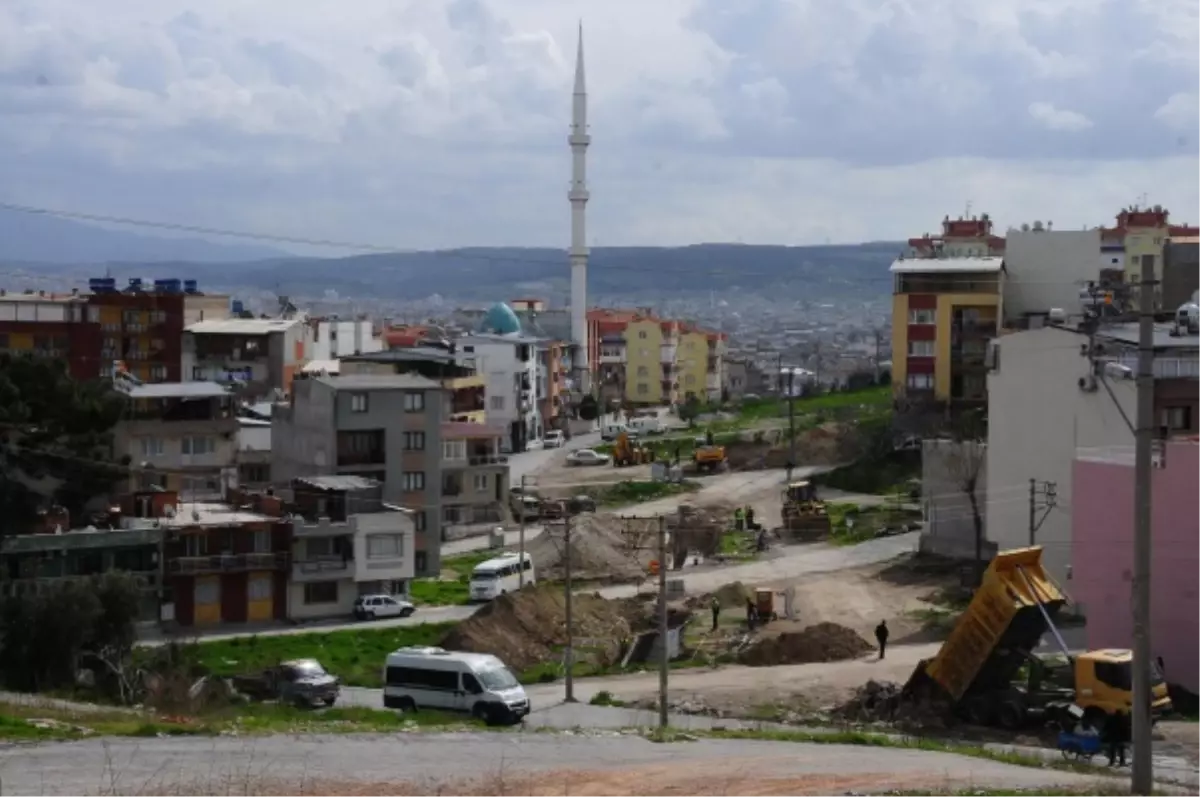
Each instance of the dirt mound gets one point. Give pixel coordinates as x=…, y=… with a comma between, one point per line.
x=698, y=527
x=529, y=627
x=820, y=642
x=884, y=701
x=734, y=595
x=603, y=546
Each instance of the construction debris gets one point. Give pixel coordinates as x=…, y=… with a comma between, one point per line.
x=603, y=547
x=885, y=701
x=820, y=642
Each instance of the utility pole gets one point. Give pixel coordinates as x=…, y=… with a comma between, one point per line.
x=818, y=366
x=569, y=654
x=878, y=346
x=664, y=658
x=521, y=535
x=1143, y=767
x=791, y=463
x=1050, y=491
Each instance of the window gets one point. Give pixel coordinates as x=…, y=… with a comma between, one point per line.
x=197, y=445
x=920, y=381
x=496, y=403
x=921, y=317
x=259, y=588
x=643, y=388
x=642, y=334
x=468, y=349
x=197, y=373
x=1175, y=419
x=262, y=541
x=436, y=680
x=642, y=370
x=318, y=546
x=158, y=373
x=152, y=447
x=93, y=314
x=358, y=402
x=454, y=449
x=320, y=592
x=920, y=348
x=419, y=522
x=471, y=684
x=195, y=545
x=481, y=482
x=420, y=562
x=414, y=481
x=414, y=441
x=385, y=546
x=414, y=402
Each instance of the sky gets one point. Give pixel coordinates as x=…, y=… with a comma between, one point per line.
x=439, y=123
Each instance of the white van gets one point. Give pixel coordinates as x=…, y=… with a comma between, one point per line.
x=495, y=577
x=646, y=426
x=612, y=431
x=475, y=683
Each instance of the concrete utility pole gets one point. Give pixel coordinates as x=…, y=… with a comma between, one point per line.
x=1143, y=767
x=521, y=535
x=1050, y=490
x=791, y=463
x=878, y=348
x=664, y=658
x=569, y=653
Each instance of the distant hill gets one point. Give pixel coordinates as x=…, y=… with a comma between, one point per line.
x=826, y=271
x=26, y=237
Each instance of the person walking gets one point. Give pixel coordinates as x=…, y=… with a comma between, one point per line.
x=1116, y=736
x=738, y=519
x=881, y=636
x=716, y=612
x=751, y=614
x=750, y=518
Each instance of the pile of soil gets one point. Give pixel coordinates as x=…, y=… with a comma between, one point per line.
x=527, y=628
x=603, y=547
x=820, y=642
x=884, y=701
x=698, y=527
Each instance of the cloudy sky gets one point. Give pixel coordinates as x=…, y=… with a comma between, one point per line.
x=429, y=123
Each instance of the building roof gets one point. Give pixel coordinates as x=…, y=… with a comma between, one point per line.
x=243, y=326
x=378, y=382
x=416, y=354
x=201, y=513
x=42, y=297
x=322, y=366
x=1128, y=333
x=454, y=430
x=949, y=265
x=182, y=390
x=338, y=483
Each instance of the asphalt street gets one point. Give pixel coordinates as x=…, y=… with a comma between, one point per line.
x=282, y=764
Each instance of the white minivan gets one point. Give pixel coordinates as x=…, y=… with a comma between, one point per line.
x=474, y=683
x=496, y=577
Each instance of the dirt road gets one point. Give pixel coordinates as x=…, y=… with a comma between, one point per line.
x=494, y=763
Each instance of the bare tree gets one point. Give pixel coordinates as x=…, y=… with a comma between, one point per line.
x=966, y=461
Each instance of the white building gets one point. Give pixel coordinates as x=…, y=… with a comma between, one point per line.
x=333, y=338
x=1048, y=269
x=259, y=355
x=1046, y=401
x=509, y=365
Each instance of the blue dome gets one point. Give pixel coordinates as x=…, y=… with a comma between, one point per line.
x=500, y=320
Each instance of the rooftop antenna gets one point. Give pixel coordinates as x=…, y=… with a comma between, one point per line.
x=967, y=212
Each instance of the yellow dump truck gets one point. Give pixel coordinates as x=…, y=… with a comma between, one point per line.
x=989, y=672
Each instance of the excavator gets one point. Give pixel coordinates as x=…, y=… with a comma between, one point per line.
x=987, y=669
x=805, y=516
x=626, y=453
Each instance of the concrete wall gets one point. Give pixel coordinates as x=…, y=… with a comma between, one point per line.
x=1047, y=269
x=1102, y=501
x=303, y=441
x=352, y=337
x=1037, y=418
x=949, y=520
x=1181, y=273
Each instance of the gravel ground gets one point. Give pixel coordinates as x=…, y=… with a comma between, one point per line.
x=287, y=764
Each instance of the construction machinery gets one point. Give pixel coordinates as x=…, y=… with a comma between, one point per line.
x=987, y=669
x=627, y=453
x=708, y=456
x=805, y=516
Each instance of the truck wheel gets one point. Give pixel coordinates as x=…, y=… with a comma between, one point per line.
x=978, y=711
x=1011, y=715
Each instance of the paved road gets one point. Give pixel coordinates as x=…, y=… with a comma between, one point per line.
x=526, y=762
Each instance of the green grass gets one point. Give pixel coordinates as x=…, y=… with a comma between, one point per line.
x=872, y=398
x=250, y=719
x=852, y=524
x=635, y=492
x=356, y=656
x=453, y=591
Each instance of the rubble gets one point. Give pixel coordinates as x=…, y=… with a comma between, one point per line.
x=817, y=643
x=603, y=547
x=885, y=701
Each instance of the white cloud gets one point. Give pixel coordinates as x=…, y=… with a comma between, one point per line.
x=440, y=123
x=1060, y=119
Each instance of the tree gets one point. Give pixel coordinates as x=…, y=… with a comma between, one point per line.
x=55, y=438
x=967, y=432
x=588, y=409
x=689, y=410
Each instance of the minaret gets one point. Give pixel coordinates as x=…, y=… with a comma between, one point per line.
x=578, y=255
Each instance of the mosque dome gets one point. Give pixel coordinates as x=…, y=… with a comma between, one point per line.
x=500, y=320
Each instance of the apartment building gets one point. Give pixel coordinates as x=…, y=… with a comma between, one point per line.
x=1050, y=395
x=253, y=453
x=32, y=563
x=1140, y=240
x=1181, y=267
x=258, y=355
x=508, y=363
x=51, y=325
x=333, y=338
x=384, y=427
x=552, y=382
x=142, y=325
x=1102, y=530
x=178, y=436
x=346, y=542
x=474, y=479
x=1047, y=268
x=467, y=389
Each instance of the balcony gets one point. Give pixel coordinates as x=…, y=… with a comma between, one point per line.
x=451, y=488
x=1164, y=367
x=318, y=568
x=612, y=355
x=229, y=563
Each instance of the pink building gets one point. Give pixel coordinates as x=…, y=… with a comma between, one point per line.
x=1102, y=553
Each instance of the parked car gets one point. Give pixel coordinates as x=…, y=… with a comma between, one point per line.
x=373, y=607
x=302, y=682
x=553, y=439
x=586, y=456
x=583, y=503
